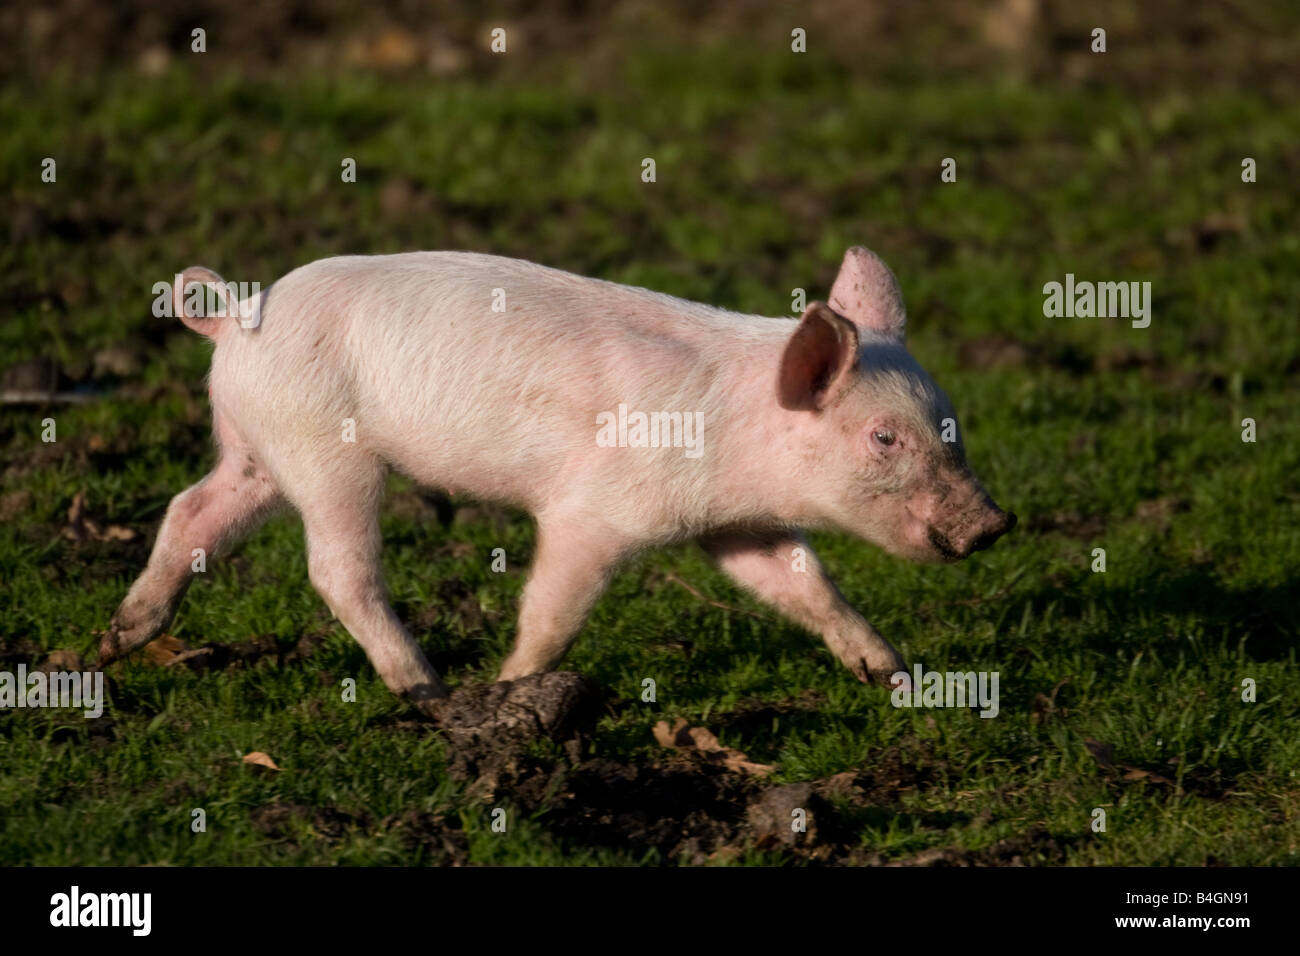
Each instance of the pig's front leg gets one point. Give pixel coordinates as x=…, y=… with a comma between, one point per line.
x=571, y=566
x=766, y=565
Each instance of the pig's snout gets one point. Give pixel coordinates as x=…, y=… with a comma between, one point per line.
x=982, y=536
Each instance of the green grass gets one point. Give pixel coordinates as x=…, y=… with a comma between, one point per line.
x=769, y=165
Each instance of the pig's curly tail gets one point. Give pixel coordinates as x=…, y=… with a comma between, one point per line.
x=209, y=325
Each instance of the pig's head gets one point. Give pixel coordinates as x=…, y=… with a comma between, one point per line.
x=872, y=426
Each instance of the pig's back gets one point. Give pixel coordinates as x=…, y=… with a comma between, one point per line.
x=503, y=403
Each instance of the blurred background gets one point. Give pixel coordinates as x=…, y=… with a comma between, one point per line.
x=768, y=162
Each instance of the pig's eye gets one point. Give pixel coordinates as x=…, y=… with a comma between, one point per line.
x=884, y=436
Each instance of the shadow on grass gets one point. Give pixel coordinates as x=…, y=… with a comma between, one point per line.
x=1266, y=618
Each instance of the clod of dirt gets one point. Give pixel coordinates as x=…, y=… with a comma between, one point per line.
x=541, y=705
x=786, y=816
x=489, y=725
x=682, y=810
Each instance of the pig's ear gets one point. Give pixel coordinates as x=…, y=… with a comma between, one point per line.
x=817, y=359
x=867, y=293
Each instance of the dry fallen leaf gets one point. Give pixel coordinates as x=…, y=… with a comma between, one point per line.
x=202, y=655
x=76, y=517
x=164, y=649
x=1135, y=774
x=260, y=759
x=681, y=737
x=81, y=527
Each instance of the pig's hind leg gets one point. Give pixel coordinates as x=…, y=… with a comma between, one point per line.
x=339, y=502
x=211, y=515
x=766, y=565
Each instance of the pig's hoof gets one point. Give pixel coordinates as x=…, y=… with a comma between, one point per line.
x=890, y=678
x=432, y=707
x=110, y=646
x=134, y=625
x=880, y=675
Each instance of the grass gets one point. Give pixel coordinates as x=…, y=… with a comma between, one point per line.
x=768, y=165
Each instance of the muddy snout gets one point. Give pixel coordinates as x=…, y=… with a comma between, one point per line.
x=994, y=525
x=1000, y=523
x=979, y=536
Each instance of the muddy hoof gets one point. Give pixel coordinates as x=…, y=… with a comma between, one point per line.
x=885, y=678
x=553, y=705
x=110, y=648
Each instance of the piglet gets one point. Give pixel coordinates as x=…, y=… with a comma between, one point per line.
x=620, y=418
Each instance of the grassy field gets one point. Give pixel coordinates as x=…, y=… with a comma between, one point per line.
x=1120, y=690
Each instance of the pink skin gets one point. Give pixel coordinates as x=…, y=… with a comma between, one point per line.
x=947, y=515
x=210, y=516
x=360, y=364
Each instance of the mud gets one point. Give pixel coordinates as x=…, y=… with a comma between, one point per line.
x=528, y=743
x=490, y=728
